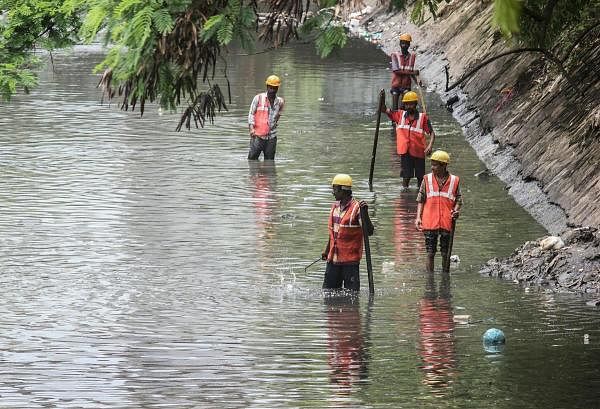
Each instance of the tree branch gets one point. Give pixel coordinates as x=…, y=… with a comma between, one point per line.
x=546, y=53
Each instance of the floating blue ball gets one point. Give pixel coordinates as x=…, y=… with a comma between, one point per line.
x=494, y=336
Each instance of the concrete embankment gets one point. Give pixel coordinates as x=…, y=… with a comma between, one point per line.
x=525, y=121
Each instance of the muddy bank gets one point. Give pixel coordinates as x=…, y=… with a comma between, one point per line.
x=513, y=111
x=569, y=263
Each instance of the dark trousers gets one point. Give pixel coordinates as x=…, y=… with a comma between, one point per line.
x=431, y=240
x=338, y=274
x=258, y=145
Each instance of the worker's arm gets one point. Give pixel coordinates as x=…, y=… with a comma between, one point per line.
x=367, y=224
x=457, y=204
x=281, y=105
x=391, y=114
x=253, y=107
x=407, y=72
x=421, y=197
x=419, y=214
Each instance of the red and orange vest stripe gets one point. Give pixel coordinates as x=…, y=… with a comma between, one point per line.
x=410, y=135
x=345, y=244
x=261, y=116
x=437, y=211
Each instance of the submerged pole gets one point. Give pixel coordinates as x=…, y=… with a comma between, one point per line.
x=446, y=263
x=381, y=103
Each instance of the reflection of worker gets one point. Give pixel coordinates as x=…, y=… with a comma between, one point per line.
x=344, y=248
x=263, y=117
x=403, y=68
x=436, y=332
x=345, y=342
x=411, y=129
x=263, y=181
x=439, y=201
x=407, y=241
x=263, y=176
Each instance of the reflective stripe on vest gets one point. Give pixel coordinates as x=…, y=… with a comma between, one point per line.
x=411, y=139
x=261, y=116
x=345, y=245
x=399, y=62
x=437, y=211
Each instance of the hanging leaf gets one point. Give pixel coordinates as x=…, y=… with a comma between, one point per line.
x=506, y=16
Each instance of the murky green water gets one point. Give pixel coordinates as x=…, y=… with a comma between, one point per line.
x=147, y=268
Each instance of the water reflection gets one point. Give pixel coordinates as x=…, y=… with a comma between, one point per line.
x=263, y=178
x=436, y=333
x=408, y=241
x=346, y=342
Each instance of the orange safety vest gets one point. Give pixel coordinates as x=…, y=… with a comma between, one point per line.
x=347, y=242
x=261, y=116
x=410, y=135
x=437, y=211
x=401, y=62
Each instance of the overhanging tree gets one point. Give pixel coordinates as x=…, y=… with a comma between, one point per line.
x=167, y=51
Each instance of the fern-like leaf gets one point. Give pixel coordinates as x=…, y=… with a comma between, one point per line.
x=211, y=26
x=162, y=21
x=124, y=6
x=92, y=23
x=141, y=26
x=225, y=32
x=331, y=38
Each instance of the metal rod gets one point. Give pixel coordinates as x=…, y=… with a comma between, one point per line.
x=381, y=103
x=420, y=89
x=317, y=260
x=363, y=217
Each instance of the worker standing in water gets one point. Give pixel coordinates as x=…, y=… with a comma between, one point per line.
x=263, y=118
x=439, y=202
x=412, y=127
x=344, y=248
x=403, y=70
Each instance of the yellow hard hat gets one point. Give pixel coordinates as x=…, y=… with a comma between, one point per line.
x=441, y=156
x=273, y=80
x=342, y=179
x=410, y=96
x=405, y=37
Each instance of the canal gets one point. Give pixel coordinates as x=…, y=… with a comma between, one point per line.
x=142, y=267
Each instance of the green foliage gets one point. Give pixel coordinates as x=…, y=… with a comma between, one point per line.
x=506, y=16
x=236, y=22
x=92, y=22
x=164, y=50
x=331, y=38
x=13, y=77
x=162, y=20
x=25, y=25
x=328, y=26
x=543, y=22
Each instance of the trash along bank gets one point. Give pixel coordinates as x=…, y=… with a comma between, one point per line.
x=526, y=122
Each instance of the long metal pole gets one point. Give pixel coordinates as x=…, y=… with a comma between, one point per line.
x=381, y=103
x=363, y=217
